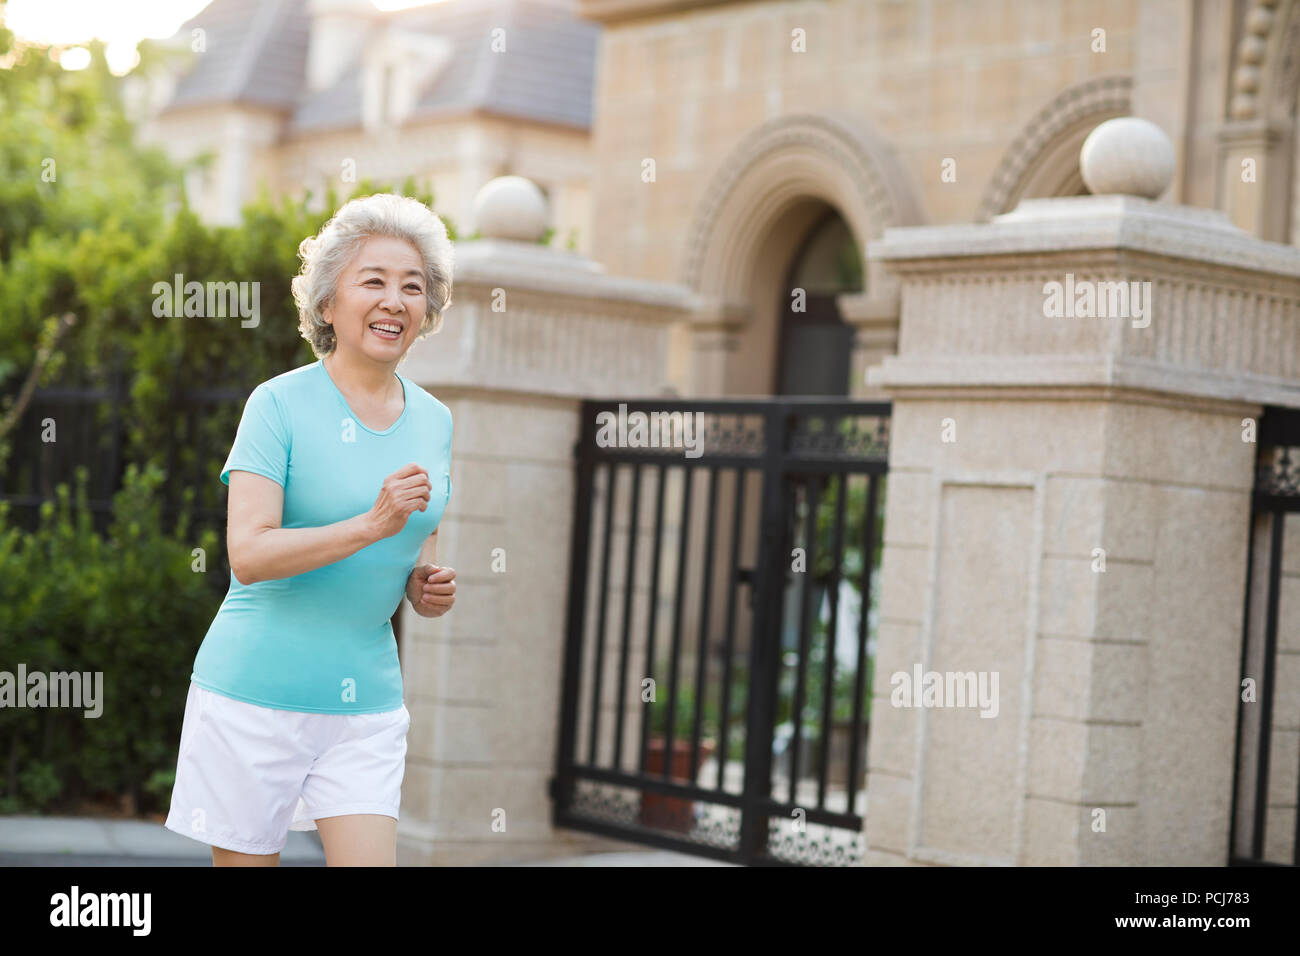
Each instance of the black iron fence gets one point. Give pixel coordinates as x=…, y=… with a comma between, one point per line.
x=1266, y=787
x=691, y=719
x=87, y=423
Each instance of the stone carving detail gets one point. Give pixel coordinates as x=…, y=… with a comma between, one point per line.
x=534, y=345
x=1244, y=331
x=1287, y=86
x=1098, y=96
x=1248, y=79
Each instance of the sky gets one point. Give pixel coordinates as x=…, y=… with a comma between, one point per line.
x=120, y=23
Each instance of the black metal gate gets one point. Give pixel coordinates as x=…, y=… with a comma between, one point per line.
x=763, y=758
x=1264, y=826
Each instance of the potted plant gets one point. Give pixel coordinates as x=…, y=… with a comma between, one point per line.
x=657, y=810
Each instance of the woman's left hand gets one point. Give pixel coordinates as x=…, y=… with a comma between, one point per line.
x=431, y=590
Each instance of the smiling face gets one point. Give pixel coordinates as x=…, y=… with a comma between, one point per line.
x=379, y=304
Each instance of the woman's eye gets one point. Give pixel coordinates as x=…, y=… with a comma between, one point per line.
x=411, y=287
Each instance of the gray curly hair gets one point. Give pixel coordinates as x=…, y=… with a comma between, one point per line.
x=326, y=254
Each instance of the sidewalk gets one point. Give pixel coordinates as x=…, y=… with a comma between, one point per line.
x=647, y=858
x=90, y=841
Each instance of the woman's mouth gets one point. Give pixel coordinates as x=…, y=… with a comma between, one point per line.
x=389, y=331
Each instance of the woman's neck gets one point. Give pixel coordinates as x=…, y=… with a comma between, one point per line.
x=366, y=379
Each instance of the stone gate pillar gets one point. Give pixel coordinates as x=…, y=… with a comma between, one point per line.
x=533, y=331
x=1068, y=509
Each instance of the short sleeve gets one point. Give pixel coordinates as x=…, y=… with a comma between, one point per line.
x=262, y=441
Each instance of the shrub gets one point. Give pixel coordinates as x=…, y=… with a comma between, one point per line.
x=130, y=605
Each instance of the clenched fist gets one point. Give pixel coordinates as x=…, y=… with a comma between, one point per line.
x=431, y=590
x=404, y=491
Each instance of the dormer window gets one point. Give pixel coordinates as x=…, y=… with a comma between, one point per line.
x=387, y=90
x=399, y=69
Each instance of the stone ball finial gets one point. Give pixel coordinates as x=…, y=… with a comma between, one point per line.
x=510, y=207
x=1127, y=155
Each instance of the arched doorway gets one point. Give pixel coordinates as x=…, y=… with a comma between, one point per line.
x=815, y=345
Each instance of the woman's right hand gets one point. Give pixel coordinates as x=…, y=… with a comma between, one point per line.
x=404, y=491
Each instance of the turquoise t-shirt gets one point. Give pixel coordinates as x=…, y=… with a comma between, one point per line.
x=322, y=641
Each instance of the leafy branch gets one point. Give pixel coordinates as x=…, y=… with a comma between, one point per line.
x=52, y=332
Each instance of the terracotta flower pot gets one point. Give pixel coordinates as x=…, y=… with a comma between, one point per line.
x=671, y=813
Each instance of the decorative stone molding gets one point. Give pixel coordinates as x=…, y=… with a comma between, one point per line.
x=1081, y=106
x=875, y=318
x=862, y=308
x=1224, y=308
x=827, y=155
x=712, y=314
x=1251, y=134
x=1267, y=68
x=618, y=11
x=1080, y=224
x=1260, y=125
x=562, y=327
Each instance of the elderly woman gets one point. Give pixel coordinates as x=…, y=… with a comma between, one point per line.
x=339, y=474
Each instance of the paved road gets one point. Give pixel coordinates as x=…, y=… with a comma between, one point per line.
x=90, y=841
x=85, y=841
x=649, y=858
x=96, y=859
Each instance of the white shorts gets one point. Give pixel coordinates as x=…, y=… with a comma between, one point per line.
x=246, y=775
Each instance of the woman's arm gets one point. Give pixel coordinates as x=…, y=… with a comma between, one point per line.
x=429, y=550
x=424, y=566
x=261, y=550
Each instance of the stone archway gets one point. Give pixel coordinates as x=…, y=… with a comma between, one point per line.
x=771, y=189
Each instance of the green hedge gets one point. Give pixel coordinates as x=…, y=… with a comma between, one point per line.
x=131, y=605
